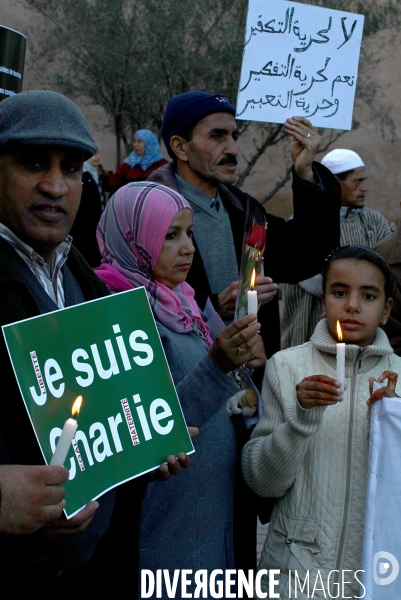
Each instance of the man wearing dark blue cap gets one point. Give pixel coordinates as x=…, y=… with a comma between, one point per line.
x=200, y=134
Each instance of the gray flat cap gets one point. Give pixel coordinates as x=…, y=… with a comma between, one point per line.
x=44, y=118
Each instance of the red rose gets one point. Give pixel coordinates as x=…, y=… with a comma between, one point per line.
x=257, y=237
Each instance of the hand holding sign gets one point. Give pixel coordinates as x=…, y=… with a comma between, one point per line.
x=31, y=496
x=304, y=145
x=131, y=419
x=62, y=527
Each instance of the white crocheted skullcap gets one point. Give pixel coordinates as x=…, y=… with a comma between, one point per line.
x=342, y=160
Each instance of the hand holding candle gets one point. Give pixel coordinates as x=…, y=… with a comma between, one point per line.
x=340, y=358
x=252, y=296
x=67, y=435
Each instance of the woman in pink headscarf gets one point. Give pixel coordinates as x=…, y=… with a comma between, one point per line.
x=145, y=238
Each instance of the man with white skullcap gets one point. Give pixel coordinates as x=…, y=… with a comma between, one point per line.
x=301, y=303
x=350, y=171
x=342, y=160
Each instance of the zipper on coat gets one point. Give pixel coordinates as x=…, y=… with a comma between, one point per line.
x=349, y=457
x=361, y=351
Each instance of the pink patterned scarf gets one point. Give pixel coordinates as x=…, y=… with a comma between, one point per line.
x=130, y=235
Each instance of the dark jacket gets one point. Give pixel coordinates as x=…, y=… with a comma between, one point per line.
x=126, y=174
x=24, y=557
x=16, y=304
x=187, y=524
x=88, y=216
x=295, y=249
x=390, y=249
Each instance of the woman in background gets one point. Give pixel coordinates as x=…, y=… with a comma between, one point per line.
x=145, y=158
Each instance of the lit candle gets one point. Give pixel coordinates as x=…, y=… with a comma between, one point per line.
x=67, y=435
x=340, y=357
x=252, y=296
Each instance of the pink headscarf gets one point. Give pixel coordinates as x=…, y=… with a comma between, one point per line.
x=130, y=235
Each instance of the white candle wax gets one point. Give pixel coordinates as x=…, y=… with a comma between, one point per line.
x=252, y=296
x=341, y=364
x=64, y=443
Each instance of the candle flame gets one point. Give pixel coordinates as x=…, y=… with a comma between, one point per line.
x=253, y=279
x=76, y=407
x=339, y=332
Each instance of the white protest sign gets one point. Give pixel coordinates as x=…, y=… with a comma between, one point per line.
x=299, y=60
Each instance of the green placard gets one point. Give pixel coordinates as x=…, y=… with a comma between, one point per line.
x=12, y=60
x=108, y=351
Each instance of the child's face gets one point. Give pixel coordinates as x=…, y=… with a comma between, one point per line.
x=354, y=295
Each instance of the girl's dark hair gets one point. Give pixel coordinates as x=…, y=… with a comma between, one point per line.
x=360, y=253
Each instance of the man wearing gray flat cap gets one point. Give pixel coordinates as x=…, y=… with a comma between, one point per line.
x=44, y=140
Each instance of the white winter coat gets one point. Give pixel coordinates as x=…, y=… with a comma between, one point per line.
x=315, y=463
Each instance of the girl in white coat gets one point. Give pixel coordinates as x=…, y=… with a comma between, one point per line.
x=310, y=447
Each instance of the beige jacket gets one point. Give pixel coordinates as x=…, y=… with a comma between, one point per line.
x=315, y=462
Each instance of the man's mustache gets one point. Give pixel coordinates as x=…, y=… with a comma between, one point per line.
x=228, y=159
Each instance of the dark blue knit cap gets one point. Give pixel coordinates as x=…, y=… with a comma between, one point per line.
x=44, y=118
x=185, y=110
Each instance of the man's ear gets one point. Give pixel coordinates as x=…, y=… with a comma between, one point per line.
x=178, y=146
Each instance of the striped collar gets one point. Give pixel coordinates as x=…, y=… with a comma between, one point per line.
x=50, y=277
